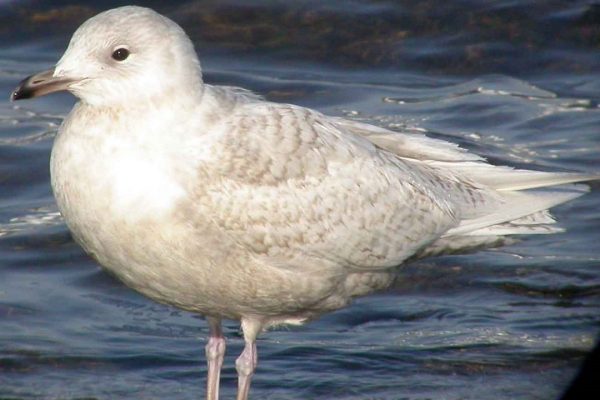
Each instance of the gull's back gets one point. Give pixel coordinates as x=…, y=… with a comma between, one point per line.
x=287, y=183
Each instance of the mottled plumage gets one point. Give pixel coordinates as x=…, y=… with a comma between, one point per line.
x=216, y=201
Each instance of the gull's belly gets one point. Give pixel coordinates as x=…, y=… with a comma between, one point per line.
x=125, y=209
x=123, y=206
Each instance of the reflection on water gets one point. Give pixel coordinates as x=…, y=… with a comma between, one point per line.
x=513, y=322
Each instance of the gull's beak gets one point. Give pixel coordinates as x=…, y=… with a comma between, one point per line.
x=39, y=85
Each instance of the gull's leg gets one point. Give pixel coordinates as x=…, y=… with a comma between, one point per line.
x=246, y=362
x=215, y=350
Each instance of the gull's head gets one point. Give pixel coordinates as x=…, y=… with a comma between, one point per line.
x=121, y=55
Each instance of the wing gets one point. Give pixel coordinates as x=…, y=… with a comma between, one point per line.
x=291, y=185
x=288, y=184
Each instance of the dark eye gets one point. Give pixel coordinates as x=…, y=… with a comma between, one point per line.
x=120, y=54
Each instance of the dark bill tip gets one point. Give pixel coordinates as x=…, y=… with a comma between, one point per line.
x=39, y=85
x=22, y=91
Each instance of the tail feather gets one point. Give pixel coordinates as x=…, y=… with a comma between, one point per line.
x=533, y=224
x=521, y=212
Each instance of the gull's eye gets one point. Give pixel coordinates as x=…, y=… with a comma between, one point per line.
x=120, y=54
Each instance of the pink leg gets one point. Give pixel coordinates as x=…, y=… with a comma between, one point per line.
x=246, y=362
x=215, y=351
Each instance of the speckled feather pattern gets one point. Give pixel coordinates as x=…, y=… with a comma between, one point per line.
x=216, y=201
x=287, y=183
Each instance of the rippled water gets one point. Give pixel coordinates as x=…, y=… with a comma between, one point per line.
x=513, y=322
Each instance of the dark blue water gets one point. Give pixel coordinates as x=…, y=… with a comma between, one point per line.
x=517, y=82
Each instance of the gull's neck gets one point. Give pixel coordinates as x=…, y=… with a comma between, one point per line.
x=169, y=98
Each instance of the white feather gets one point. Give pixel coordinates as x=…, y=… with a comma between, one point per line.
x=518, y=205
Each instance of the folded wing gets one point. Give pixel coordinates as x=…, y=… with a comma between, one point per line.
x=292, y=185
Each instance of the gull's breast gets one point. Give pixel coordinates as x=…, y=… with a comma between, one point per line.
x=119, y=199
x=117, y=179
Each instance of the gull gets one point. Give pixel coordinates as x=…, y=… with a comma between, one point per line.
x=213, y=200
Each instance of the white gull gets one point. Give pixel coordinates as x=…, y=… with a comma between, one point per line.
x=215, y=201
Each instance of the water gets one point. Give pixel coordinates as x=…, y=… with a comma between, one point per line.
x=514, y=81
